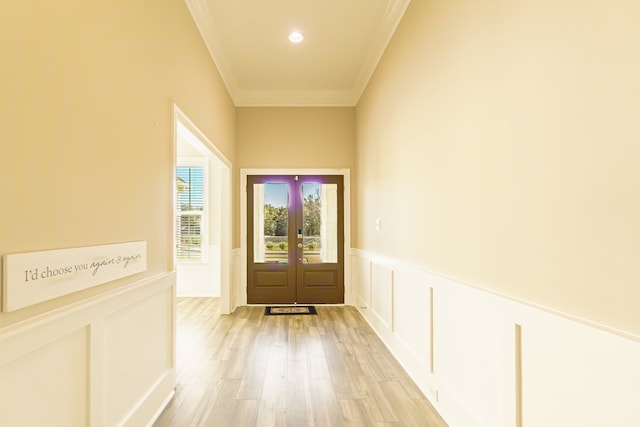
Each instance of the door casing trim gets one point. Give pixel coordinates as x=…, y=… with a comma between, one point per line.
x=226, y=303
x=346, y=176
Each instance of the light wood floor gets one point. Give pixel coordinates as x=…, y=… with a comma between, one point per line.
x=247, y=369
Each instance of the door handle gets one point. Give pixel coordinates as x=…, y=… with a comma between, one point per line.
x=300, y=245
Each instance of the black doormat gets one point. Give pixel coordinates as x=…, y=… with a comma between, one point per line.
x=289, y=310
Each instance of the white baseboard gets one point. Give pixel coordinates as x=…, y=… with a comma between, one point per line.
x=151, y=405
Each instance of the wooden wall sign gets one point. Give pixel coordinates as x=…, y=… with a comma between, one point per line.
x=34, y=277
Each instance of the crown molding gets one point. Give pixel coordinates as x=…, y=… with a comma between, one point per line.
x=202, y=17
x=316, y=98
x=392, y=17
x=243, y=98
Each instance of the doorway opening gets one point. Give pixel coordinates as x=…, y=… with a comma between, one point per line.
x=202, y=215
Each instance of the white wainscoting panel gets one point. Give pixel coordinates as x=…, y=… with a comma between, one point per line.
x=49, y=385
x=381, y=294
x=361, y=281
x=484, y=359
x=200, y=279
x=577, y=375
x=138, y=352
x=106, y=361
x=196, y=280
x=474, y=357
x=412, y=317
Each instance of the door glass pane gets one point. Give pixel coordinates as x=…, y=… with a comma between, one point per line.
x=270, y=222
x=320, y=222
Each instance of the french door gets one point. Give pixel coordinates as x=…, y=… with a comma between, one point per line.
x=295, y=239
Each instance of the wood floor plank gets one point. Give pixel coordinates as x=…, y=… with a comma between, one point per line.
x=403, y=406
x=248, y=369
x=326, y=409
x=318, y=368
x=354, y=413
x=244, y=413
x=220, y=413
x=298, y=394
x=252, y=369
x=272, y=408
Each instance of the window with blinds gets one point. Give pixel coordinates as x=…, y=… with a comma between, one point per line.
x=190, y=213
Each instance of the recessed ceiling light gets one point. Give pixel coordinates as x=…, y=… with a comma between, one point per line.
x=296, y=37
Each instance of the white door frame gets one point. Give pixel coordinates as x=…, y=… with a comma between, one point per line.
x=180, y=118
x=346, y=174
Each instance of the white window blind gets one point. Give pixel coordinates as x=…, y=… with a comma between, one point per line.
x=190, y=225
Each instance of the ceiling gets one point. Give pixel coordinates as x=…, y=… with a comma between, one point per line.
x=344, y=39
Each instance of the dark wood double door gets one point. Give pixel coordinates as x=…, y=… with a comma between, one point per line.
x=295, y=239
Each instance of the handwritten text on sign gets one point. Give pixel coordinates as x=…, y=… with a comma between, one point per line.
x=34, y=277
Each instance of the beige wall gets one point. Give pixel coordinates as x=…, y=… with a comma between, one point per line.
x=499, y=143
x=295, y=138
x=87, y=91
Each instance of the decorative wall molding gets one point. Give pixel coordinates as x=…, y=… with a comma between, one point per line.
x=484, y=359
x=111, y=358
